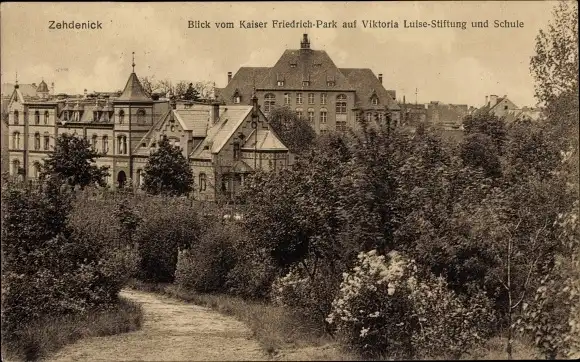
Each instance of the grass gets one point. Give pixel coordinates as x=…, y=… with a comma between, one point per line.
x=283, y=334
x=45, y=337
x=495, y=349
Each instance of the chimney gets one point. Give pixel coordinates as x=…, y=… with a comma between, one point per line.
x=305, y=43
x=381, y=78
x=485, y=104
x=52, y=88
x=215, y=112
x=492, y=100
x=229, y=77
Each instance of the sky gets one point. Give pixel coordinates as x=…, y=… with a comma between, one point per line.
x=449, y=65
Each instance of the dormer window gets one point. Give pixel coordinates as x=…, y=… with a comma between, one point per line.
x=330, y=83
x=305, y=83
x=293, y=65
x=237, y=97
x=280, y=83
x=375, y=101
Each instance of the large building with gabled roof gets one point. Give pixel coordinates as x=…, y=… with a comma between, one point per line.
x=309, y=82
x=224, y=143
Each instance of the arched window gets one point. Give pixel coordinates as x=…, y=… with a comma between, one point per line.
x=37, y=141
x=311, y=115
x=369, y=117
x=15, y=167
x=269, y=102
x=375, y=101
x=94, y=141
x=380, y=117
x=105, y=144
x=202, y=182
x=46, y=141
x=141, y=116
x=341, y=104
x=299, y=112
x=121, y=116
x=36, y=117
x=36, y=168
x=16, y=140
x=122, y=145
x=16, y=119
x=45, y=117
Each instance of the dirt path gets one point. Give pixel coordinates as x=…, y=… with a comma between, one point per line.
x=172, y=331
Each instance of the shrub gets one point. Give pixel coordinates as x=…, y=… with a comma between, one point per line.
x=252, y=275
x=206, y=265
x=382, y=309
x=168, y=225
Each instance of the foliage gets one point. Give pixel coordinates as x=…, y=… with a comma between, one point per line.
x=167, y=171
x=382, y=308
x=206, y=265
x=487, y=124
x=191, y=94
x=73, y=160
x=478, y=151
x=295, y=133
x=50, y=267
x=167, y=226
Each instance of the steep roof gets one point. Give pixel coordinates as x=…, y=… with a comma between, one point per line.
x=243, y=82
x=195, y=119
x=42, y=87
x=133, y=90
x=219, y=133
x=265, y=140
x=298, y=65
x=367, y=84
x=27, y=90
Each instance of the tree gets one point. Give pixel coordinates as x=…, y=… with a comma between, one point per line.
x=487, y=124
x=167, y=171
x=295, y=133
x=148, y=84
x=191, y=94
x=73, y=160
x=478, y=150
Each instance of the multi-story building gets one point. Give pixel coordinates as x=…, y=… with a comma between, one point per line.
x=503, y=107
x=308, y=82
x=222, y=143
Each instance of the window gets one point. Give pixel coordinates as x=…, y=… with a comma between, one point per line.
x=37, y=141
x=505, y=107
x=16, y=120
x=139, y=178
x=121, y=116
x=36, y=117
x=46, y=142
x=286, y=98
x=305, y=83
x=323, y=98
x=15, y=167
x=341, y=104
x=16, y=140
x=45, y=117
x=94, y=141
x=237, y=99
x=380, y=117
x=269, y=103
x=280, y=83
x=105, y=144
x=311, y=115
x=298, y=98
x=375, y=101
x=141, y=116
x=122, y=145
x=236, y=151
x=36, y=168
x=292, y=65
x=369, y=117
x=202, y=182
x=310, y=98
x=299, y=112
x=323, y=115
x=330, y=83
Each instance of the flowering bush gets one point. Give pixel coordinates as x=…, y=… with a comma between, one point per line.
x=383, y=309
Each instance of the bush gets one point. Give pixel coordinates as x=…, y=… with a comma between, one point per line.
x=206, y=265
x=168, y=225
x=51, y=268
x=252, y=275
x=382, y=309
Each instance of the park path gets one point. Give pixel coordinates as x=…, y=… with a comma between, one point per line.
x=172, y=331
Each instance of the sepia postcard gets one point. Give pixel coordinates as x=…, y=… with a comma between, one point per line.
x=366, y=180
